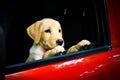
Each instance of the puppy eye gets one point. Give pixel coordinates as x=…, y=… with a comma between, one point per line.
x=47, y=31
x=59, y=30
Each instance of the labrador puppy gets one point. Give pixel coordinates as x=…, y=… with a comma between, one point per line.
x=47, y=37
x=48, y=40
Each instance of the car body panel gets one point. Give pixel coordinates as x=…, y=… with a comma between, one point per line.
x=99, y=66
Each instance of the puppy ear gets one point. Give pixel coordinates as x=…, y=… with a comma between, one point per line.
x=34, y=31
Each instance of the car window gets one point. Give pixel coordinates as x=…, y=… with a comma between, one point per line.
x=86, y=19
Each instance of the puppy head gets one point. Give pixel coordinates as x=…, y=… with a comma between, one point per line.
x=46, y=32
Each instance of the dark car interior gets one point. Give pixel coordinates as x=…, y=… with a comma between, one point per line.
x=84, y=19
x=2, y=53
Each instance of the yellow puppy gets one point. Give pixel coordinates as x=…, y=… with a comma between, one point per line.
x=47, y=36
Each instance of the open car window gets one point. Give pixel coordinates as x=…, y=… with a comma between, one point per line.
x=86, y=19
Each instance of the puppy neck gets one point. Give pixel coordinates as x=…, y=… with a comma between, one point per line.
x=39, y=47
x=45, y=47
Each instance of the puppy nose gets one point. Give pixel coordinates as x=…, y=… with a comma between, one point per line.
x=59, y=42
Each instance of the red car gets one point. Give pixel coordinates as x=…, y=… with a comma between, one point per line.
x=95, y=20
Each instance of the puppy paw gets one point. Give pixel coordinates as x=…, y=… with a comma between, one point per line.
x=83, y=43
x=79, y=46
x=53, y=51
x=58, y=49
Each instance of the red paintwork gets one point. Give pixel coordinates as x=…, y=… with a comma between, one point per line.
x=114, y=21
x=102, y=66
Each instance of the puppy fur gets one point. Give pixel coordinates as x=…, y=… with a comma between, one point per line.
x=48, y=40
x=47, y=37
